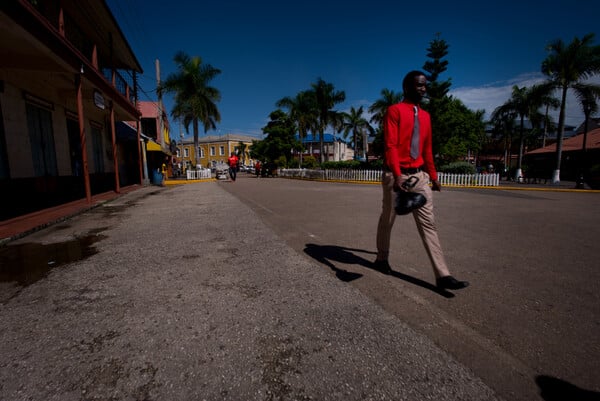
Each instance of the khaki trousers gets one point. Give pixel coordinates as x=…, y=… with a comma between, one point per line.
x=423, y=217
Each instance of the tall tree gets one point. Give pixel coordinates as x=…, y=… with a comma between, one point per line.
x=357, y=125
x=438, y=101
x=567, y=66
x=503, y=127
x=437, y=50
x=338, y=119
x=588, y=96
x=525, y=102
x=326, y=98
x=380, y=106
x=588, y=99
x=195, y=100
x=548, y=101
x=279, y=140
x=378, y=110
x=464, y=127
x=302, y=110
x=242, y=147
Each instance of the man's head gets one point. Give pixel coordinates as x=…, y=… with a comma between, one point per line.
x=414, y=86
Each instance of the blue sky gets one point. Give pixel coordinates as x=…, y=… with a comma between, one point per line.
x=267, y=50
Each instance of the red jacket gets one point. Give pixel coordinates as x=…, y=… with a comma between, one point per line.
x=398, y=126
x=232, y=161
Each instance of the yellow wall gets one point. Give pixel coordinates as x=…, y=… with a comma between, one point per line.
x=207, y=160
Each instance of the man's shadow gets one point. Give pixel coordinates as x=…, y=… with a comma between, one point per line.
x=328, y=254
x=554, y=389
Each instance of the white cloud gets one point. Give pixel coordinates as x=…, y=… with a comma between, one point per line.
x=492, y=95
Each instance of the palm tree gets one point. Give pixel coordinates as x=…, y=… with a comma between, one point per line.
x=587, y=96
x=567, y=66
x=379, y=108
x=338, y=120
x=550, y=102
x=242, y=147
x=195, y=99
x=358, y=125
x=326, y=98
x=524, y=103
x=503, y=122
x=301, y=110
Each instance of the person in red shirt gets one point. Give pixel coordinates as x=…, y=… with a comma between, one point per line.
x=406, y=157
x=233, y=163
x=257, y=168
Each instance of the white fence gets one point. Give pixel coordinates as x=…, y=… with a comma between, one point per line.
x=462, y=180
x=469, y=180
x=198, y=174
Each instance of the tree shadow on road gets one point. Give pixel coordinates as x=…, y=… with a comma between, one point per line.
x=328, y=254
x=553, y=389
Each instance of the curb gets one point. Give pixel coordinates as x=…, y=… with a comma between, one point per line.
x=184, y=182
x=496, y=187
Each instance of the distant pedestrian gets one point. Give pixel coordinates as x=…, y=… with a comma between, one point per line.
x=164, y=170
x=233, y=165
x=408, y=153
x=257, y=168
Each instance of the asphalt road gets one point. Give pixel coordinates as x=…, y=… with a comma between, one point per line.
x=529, y=322
x=183, y=293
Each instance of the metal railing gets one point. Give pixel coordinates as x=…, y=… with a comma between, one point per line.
x=460, y=180
x=198, y=174
x=469, y=180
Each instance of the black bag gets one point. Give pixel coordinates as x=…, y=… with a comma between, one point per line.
x=406, y=202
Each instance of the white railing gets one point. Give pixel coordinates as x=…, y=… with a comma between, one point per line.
x=198, y=174
x=469, y=180
x=461, y=180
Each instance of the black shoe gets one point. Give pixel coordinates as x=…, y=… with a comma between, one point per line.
x=450, y=283
x=382, y=266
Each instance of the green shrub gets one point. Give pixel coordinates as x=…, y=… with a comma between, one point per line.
x=281, y=162
x=353, y=165
x=376, y=164
x=309, y=162
x=341, y=165
x=458, y=168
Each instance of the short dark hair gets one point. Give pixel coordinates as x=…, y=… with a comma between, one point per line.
x=409, y=79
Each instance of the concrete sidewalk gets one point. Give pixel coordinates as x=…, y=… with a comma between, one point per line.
x=191, y=297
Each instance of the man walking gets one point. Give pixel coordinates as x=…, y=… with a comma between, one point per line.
x=408, y=153
x=233, y=162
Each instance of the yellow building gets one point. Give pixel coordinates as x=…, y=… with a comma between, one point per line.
x=215, y=149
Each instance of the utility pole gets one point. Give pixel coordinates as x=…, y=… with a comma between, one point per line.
x=159, y=135
x=181, y=157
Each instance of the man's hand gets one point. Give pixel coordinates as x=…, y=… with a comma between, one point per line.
x=436, y=186
x=398, y=181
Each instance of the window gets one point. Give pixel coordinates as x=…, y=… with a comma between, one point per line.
x=98, y=149
x=186, y=152
x=75, y=148
x=221, y=150
x=202, y=153
x=4, y=168
x=212, y=151
x=43, y=153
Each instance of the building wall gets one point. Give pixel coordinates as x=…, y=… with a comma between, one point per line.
x=207, y=160
x=17, y=133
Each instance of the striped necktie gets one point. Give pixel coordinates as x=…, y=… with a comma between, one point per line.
x=414, y=143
